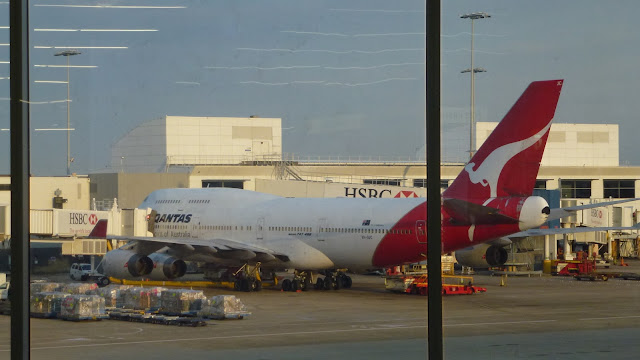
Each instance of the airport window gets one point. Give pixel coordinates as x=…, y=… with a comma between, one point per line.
x=576, y=189
x=619, y=189
x=236, y=184
x=392, y=182
x=541, y=184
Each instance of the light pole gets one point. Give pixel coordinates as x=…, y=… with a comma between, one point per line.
x=472, y=70
x=67, y=54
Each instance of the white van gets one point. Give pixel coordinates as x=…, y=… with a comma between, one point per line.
x=80, y=271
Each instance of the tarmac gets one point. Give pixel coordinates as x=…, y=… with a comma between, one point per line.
x=546, y=317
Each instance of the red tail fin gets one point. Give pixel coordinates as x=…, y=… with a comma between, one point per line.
x=100, y=230
x=507, y=163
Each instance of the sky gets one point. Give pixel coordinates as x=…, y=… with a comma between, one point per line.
x=346, y=77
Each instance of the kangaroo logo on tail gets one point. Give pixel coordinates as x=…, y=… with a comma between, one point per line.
x=489, y=171
x=493, y=171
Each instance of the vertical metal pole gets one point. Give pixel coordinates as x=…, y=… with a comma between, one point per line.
x=472, y=117
x=434, y=245
x=19, y=73
x=68, y=120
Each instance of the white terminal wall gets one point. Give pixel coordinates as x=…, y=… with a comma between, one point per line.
x=572, y=144
x=75, y=189
x=184, y=140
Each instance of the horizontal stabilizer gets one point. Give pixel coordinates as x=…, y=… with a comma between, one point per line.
x=559, y=213
x=465, y=212
x=575, y=230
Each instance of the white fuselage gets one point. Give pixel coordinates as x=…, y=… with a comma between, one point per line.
x=315, y=233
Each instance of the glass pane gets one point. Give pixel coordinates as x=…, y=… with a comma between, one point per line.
x=138, y=106
x=492, y=54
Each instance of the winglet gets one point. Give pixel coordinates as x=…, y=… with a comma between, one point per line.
x=100, y=230
x=507, y=163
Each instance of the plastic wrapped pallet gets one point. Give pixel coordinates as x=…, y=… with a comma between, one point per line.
x=181, y=300
x=112, y=294
x=140, y=298
x=223, y=307
x=78, y=288
x=38, y=287
x=79, y=307
x=46, y=304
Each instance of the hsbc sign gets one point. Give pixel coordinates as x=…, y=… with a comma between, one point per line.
x=76, y=222
x=378, y=193
x=82, y=219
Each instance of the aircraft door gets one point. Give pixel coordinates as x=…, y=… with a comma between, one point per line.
x=322, y=227
x=196, y=230
x=421, y=231
x=260, y=229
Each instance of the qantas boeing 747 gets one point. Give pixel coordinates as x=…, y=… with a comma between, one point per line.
x=230, y=228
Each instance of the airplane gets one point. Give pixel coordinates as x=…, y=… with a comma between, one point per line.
x=249, y=232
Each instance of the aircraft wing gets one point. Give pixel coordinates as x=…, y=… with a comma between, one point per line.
x=559, y=213
x=582, y=229
x=148, y=244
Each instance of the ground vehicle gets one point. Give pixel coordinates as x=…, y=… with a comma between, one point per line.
x=84, y=272
x=4, y=287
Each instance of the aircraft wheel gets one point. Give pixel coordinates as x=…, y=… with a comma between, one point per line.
x=237, y=285
x=347, y=282
x=319, y=284
x=245, y=285
x=305, y=284
x=286, y=285
x=336, y=284
x=103, y=281
x=295, y=285
x=327, y=283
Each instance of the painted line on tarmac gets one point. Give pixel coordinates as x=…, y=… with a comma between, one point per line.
x=502, y=323
x=611, y=318
x=282, y=334
x=221, y=337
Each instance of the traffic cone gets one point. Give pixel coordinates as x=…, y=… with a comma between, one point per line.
x=622, y=262
x=503, y=282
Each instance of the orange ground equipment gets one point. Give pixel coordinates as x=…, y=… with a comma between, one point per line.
x=419, y=285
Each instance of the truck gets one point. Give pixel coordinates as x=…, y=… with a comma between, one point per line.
x=84, y=272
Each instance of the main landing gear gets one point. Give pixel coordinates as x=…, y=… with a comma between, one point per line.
x=305, y=280
x=247, y=278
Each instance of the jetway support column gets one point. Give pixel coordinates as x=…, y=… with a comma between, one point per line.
x=546, y=264
x=546, y=247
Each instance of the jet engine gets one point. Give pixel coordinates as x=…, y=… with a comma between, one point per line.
x=126, y=264
x=482, y=256
x=166, y=267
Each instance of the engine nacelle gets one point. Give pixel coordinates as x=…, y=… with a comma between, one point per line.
x=126, y=264
x=166, y=267
x=531, y=211
x=482, y=256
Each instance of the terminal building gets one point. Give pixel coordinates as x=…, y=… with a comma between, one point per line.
x=580, y=160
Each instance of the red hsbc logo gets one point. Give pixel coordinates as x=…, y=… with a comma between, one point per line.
x=406, y=194
x=93, y=219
